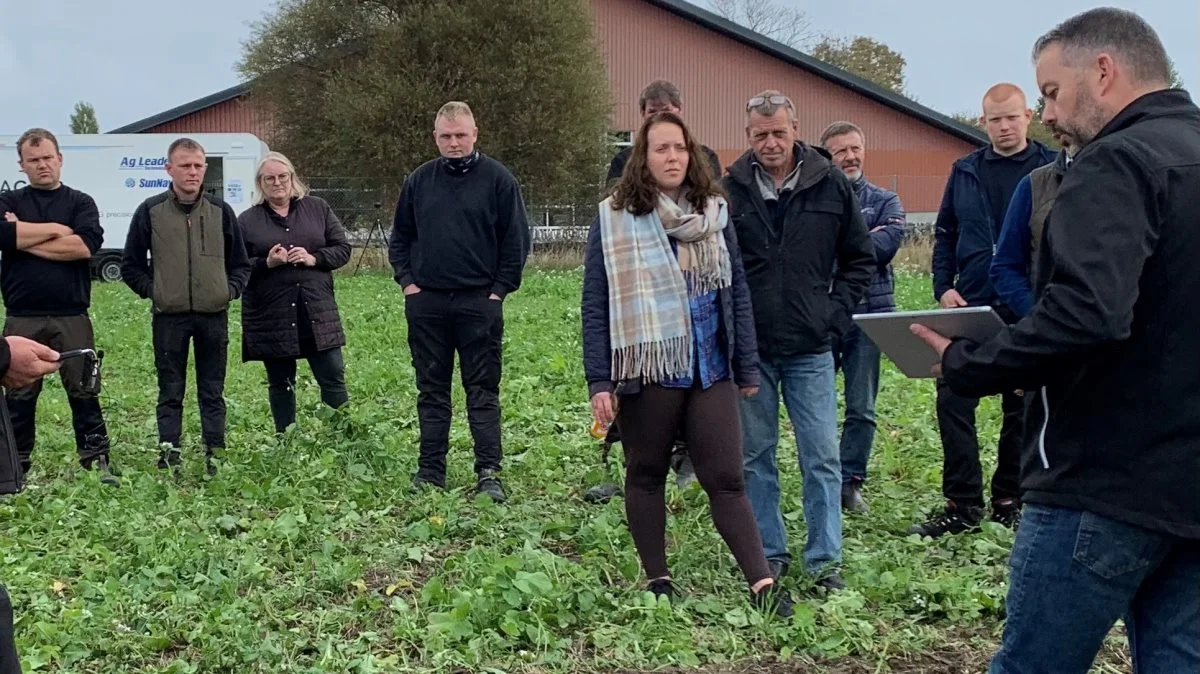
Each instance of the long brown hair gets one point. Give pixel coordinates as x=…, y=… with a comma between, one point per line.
x=637, y=191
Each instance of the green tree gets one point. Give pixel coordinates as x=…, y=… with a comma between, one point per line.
x=351, y=87
x=866, y=57
x=83, y=120
x=1176, y=80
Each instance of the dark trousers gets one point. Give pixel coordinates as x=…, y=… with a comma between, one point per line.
x=327, y=368
x=61, y=333
x=711, y=426
x=9, y=662
x=172, y=335
x=962, y=475
x=858, y=359
x=440, y=324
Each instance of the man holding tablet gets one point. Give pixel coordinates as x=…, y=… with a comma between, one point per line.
x=1108, y=359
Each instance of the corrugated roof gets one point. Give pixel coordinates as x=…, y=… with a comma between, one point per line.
x=175, y=113
x=708, y=20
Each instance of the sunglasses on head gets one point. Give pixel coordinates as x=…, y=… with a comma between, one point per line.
x=762, y=100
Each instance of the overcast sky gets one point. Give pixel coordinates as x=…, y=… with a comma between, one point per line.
x=135, y=60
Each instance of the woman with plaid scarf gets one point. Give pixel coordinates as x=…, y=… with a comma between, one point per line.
x=668, y=336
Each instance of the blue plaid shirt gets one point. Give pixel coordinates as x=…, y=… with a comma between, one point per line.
x=709, y=362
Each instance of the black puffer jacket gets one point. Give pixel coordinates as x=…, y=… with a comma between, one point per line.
x=291, y=309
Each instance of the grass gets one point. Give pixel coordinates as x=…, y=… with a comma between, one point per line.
x=309, y=553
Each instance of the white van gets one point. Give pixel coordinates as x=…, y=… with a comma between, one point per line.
x=120, y=171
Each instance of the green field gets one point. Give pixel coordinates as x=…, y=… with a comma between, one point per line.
x=309, y=553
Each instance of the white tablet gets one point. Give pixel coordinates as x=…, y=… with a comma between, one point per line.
x=892, y=333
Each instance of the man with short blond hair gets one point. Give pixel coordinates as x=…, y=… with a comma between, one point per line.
x=458, y=246
x=855, y=354
x=966, y=235
x=47, y=289
x=197, y=267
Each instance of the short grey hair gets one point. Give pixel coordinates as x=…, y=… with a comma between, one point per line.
x=299, y=189
x=660, y=90
x=767, y=108
x=454, y=110
x=1119, y=32
x=841, y=129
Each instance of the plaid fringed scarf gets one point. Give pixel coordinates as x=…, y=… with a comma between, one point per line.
x=648, y=286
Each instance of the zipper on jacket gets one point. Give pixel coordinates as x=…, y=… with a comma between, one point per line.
x=1042, y=434
x=191, y=299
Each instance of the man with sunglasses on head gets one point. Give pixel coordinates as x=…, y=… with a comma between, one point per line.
x=797, y=220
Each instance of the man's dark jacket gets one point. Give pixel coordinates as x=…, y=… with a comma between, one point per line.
x=1110, y=354
x=966, y=231
x=789, y=249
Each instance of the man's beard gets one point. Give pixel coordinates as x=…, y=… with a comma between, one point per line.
x=1089, y=120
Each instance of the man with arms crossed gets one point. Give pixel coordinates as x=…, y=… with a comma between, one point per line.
x=47, y=290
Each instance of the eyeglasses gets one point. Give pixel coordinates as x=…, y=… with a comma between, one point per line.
x=763, y=100
x=277, y=180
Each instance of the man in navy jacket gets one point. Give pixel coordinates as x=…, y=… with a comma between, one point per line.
x=977, y=194
x=856, y=355
x=1012, y=269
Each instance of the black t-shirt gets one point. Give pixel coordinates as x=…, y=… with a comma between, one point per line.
x=999, y=177
x=34, y=286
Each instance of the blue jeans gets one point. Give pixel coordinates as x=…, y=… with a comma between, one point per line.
x=858, y=358
x=810, y=395
x=1075, y=573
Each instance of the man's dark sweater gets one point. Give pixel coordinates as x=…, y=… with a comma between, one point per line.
x=35, y=286
x=999, y=175
x=460, y=231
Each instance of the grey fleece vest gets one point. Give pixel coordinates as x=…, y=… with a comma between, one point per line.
x=188, y=254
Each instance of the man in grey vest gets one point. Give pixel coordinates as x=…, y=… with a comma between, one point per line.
x=198, y=265
x=1013, y=271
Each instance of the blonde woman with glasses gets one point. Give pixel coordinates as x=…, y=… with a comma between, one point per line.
x=294, y=242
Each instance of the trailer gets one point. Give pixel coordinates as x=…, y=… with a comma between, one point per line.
x=120, y=171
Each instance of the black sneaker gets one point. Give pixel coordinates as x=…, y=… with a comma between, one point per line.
x=778, y=568
x=952, y=520
x=107, y=474
x=169, y=457
x=490, y=484
x=420, y=482
x=663, y=587
x=685, y=472
x=852, y=499
x=1007, y=512
x=210, y=464
x=601, y=493
x=831, y=583
x=774, y=599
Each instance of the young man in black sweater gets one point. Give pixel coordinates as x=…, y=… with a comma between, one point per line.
x=47, y=290
x=458, y=246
